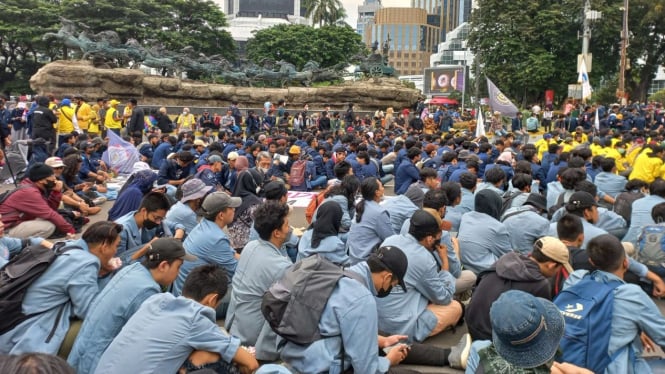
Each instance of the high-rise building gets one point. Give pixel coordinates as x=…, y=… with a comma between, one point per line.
x=414, y=32
x=264, y=8
x=366, y=12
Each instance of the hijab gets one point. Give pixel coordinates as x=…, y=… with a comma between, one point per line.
x=142, y=179
x=328, y=221
x=242, y=164
x=489, y=202
x=247, y=188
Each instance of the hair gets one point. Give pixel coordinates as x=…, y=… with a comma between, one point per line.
x=523, y=167
x=495, y=175
x=427, y=173
x=364, y=156
x=587, y=186
x=347, y=188
x=102, y=232
x=636, y=184
x=448, y=157
x=262, y=155
x=657, y=187
x=538, y=255
x=368, y=188
x=582, y=152
x=472, y=164
x=522, y=181
x=72, y=167
x=575, y=162
x=571, y=176
x=435, y=199
x=607, y=164
x=452, y=191
x=552, y=148
x=204, y=280
x=528, y=154
x=658, y=213
x=341, y=169
x=34, y=363
x=606, y=252
x=468, y=180
x=154, y=201
x=569, y=227
x=269, y=217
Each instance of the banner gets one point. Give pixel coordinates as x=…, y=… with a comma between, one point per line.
x=480, y=124
x=583, y=78
x=549, y=97
x=120, y=155
x=443, y=81
x=499, y=102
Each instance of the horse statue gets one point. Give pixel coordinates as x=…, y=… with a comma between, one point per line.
x=290, y=74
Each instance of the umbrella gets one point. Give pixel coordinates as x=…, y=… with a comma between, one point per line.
x=442, y=101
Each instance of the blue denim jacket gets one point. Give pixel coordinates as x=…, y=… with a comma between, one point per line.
x=373, y=228
x=454, y=264
x=525, y=228
x=331, y=248
x=67, y=287
x=183, y=214
x=641, y=216
x=162, y=334
x=260, y=265
x=132, y=238
x=116, y=303
x=406, y=312
x=482, y=241
x=349, y=316
x=634, y=312
x=610, y=183
x=210, y=245
x=12, y=246
x=400, y=208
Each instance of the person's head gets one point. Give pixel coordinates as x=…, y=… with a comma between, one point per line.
x=294, y=152
x=263, y=162
x=522, y=182
x=414, y=154
x=388, y=266
x=637, y=185
x=328, y=221
x=206, y=284
x=468, y=181
x=429, y=177
x=583, y=204
x=152, y=210
x=371, y=189
x=164, y=258
x=271, y=221
x=42, y=176
x=220, y=208
x=495, y=176
x=607, y=254
x=569, y=228
x=571, y=176
x=488, y=202
x=608, y=164
x=35, y=363
x=102, y=239
x=658, y=213
x=216, y=163
x=657, y=187
x=193, y=191
x=526, y=330
x=425, y=229
x=184, y=158
x=275, y=191
x=57, y=165
x=453, y=192
x=437, y=200
x=537, y=201
x=342, y=169
x=551, y=254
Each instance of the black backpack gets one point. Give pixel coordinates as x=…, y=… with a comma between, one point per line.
x=623, y=204
x=17, y=276
x=293, y=305
x=507, y=200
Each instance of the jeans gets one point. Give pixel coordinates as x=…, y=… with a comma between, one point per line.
x=319, y=181
x=388, y=169
x=386, y=178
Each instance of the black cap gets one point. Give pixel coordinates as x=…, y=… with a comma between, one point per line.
x=39, y=171
x=537, y=200
x=394, y=260
x=274, y=190
x=580, y=200
x=164, y=249
x=422, y=221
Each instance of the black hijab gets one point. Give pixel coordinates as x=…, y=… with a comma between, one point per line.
x=247, y=189
x=328, y=220
x=489, y=202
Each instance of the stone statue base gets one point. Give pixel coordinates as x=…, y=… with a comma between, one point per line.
x=76, y=76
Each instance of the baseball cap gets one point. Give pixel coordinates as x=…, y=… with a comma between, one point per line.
x=463, y=154
x=214, y=158
x=232, y=155
x=198, y=142
x=581, y=199
x=537, y=200
x=422, y=221
x=164, y=249
x=113, y=102
x=194, y=189
x=394, y=260
x=526, y=330
x=294, y=150
x=217, y=201
x=54, y=162
x=554, y=249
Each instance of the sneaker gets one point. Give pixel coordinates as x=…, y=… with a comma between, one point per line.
x=459, y=354
x=99, y=200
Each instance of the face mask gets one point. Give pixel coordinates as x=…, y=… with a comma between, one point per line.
x=264, y=170
x=621, y=151
x=383, y=293
x=149, y=225
x=49, y=185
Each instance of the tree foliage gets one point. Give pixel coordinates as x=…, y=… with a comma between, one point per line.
x=324, y=12
x=297, y=44
x=171, y=23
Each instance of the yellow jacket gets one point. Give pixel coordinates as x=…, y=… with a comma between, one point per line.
x=84, y=114
x=110, y=121
x=646, y=168
x=618, y=158
x=93, y=125
x=65, y=123
x=542, y=146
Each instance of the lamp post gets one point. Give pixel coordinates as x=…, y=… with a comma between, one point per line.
x=621, y=91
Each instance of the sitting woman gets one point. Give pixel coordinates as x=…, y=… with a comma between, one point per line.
x=247, y=187
x=344, y=194
x=131, y=194
x=321, y=237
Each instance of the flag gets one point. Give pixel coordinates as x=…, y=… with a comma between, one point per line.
x=120, y=155
x=499, y=102
x=596, y=121
x=480, y=124
x=583, y=78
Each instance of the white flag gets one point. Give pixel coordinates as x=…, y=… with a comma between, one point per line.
x=480, y=124
x=583, y=78
x=596, y=121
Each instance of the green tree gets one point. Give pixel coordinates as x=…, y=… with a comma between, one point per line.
x=297, y=44
x=324, y=12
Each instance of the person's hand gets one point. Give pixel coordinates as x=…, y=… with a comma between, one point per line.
x=70, y=236
x=58, y=186
x=647, y=343
x=398, y=354
x=114, y=264
x=567, y=368
x=658, y=287
x=387, y=341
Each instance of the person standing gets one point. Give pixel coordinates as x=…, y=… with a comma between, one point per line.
x=136, y=122
x=43, y=120
x=83, y=113
x=113, y=119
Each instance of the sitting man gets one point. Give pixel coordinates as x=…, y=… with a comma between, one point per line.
x=31, y=209
x=515, y=271
x=526, y=223
x=91, y=169
x=141, y=227
x=67, y=288
x=175, y=171
x=425, y=307
x=120, y=299
x=261, y=263
x=585, y=206
x=178, y=332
